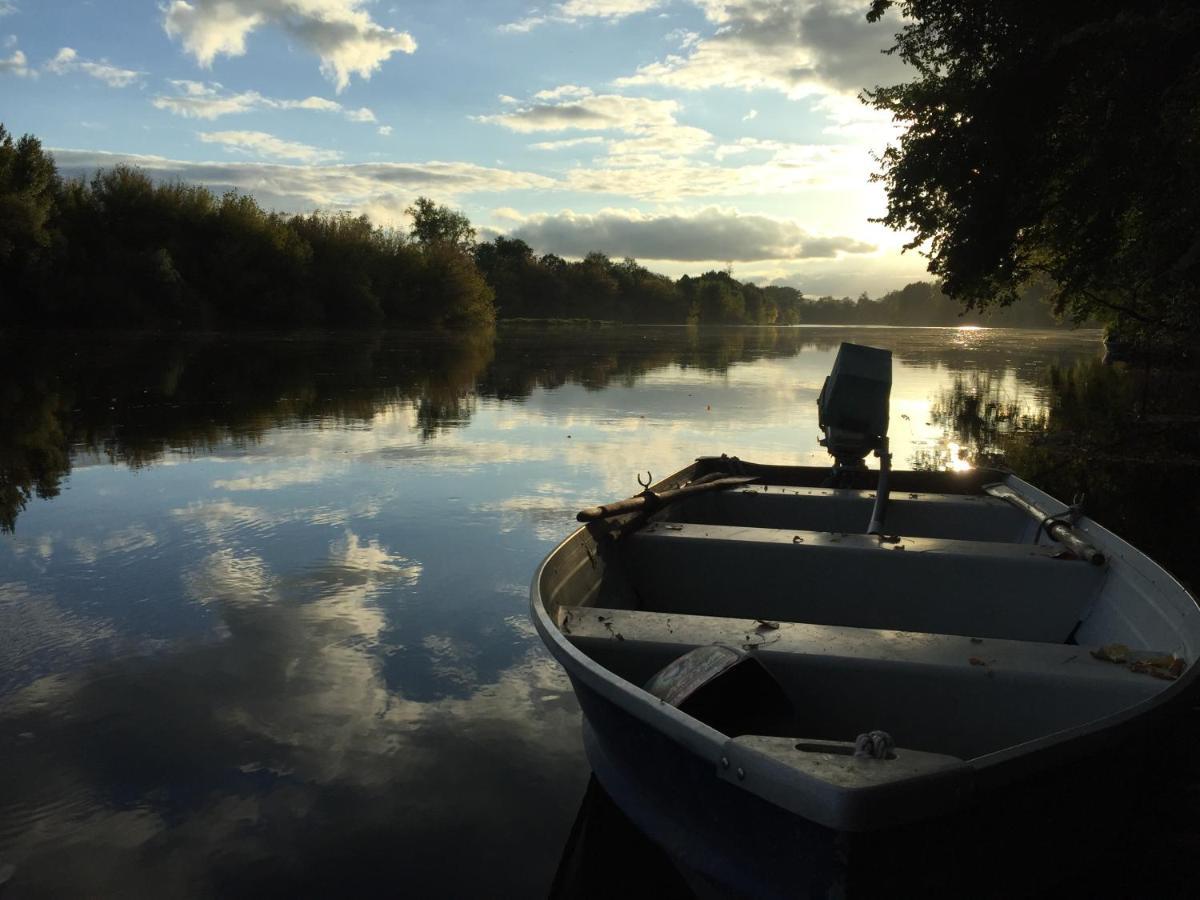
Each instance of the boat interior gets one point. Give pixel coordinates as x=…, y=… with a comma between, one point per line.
x=963, y=631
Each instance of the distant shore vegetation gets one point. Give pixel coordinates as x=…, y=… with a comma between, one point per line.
x=122, y=251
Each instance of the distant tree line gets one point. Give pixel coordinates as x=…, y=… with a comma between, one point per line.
x=122, y=251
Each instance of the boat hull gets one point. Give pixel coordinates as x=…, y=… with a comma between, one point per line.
x=739, y=843
x=729, y=843
x=1014, y=811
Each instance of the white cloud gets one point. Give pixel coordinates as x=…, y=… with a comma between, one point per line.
x=571, y=11
x=385, y=130
x=524, y=25
x=15, y=64
x=569, y=142
x=67, y=61
x=561, y=92
x=7, y=7
x=606, y=9
x=340, y=32
x=383, y=190
x=261, y=144
x=750, y=116
x=798, y=48
x=710, y=234
x=198, y=100
x=785, y=169
x=651, y=124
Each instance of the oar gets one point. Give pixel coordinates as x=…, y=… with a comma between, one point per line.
x=1057, y=529
x=648, y=501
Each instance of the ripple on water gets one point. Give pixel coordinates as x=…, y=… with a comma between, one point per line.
x=38, y=633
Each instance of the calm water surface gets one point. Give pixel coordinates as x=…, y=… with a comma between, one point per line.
x=266, y=631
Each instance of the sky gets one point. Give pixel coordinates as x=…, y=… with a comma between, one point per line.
x=689, y=134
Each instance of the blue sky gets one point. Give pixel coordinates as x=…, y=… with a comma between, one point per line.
x=691, y=134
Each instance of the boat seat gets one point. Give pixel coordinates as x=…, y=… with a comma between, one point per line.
x=984, y=589
x=937, y=693
x=967, y=517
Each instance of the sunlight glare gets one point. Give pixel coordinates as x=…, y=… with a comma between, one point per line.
x=957, y=463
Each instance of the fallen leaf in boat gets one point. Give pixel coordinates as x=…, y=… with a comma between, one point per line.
x=976, y=640
x=1167, y=668
x=976, y=661
x=766, y=625
x=1163, y=662
x=1113, y=653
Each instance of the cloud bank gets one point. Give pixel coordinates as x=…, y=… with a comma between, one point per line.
x=797, y=48
x=382, y=190
x=710, y=234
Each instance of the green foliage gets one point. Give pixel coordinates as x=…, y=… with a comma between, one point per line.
x=28, y=186
x=433, y=225
x=1058, y=140
x=451, y=284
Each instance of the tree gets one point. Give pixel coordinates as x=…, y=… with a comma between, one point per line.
x=29, y=185
x=434, y=224
x=1059, y=140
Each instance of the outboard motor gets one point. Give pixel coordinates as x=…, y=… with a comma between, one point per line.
x=852, y=411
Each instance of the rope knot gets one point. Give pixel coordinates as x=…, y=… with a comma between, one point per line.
x=874, y=745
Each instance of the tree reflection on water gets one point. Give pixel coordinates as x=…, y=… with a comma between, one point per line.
x=1125, y=440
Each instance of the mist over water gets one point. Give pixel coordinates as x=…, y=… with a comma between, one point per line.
x=263, y=602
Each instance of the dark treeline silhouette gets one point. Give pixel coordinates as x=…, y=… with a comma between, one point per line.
x=120, y=251
x=529, y=286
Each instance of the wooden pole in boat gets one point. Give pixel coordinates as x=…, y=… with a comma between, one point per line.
x=648, y=501
x=1061, y=531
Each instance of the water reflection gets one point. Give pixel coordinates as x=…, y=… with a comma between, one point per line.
x=268, y=630
x=1126, y=441
x=136, y=401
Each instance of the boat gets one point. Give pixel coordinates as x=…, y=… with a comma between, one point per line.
x=787, y=670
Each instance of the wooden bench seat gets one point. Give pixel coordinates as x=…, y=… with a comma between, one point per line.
x=970, y=517
x=982, y=589
x=938, y=693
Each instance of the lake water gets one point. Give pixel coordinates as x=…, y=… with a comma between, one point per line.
x=266, y=630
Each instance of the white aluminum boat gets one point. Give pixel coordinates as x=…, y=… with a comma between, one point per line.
x=770, y=659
